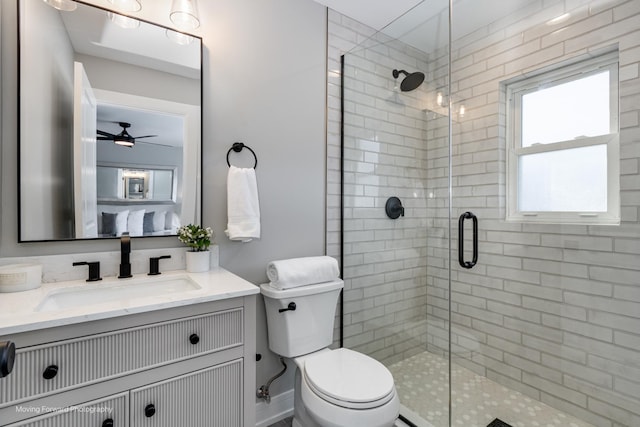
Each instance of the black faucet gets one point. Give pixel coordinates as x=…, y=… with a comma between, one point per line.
x=154, y=264
x=94, y=270
x=125, y=251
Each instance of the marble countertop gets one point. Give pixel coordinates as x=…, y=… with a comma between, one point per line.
x=22, y=311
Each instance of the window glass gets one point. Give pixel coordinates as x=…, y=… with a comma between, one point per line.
x=571, y=180
x=567, y=111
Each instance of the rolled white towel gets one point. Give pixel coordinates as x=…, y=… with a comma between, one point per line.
x=294, y=272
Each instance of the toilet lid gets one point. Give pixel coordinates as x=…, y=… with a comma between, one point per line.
x=351, y=378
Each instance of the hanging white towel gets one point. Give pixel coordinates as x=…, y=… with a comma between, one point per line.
x=243, y=209
x=294, y=272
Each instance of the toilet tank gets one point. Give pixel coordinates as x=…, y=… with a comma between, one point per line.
x=309, y=327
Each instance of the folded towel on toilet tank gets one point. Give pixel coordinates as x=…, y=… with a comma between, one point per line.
x=294, y=272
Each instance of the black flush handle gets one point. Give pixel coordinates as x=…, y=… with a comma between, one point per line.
x=290, y=307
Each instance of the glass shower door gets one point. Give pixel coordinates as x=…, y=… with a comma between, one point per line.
x=395, y=203
x=545, y=327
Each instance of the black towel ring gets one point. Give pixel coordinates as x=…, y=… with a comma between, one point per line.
x=237, y=147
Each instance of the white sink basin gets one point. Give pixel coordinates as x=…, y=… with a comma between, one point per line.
x=122, y=290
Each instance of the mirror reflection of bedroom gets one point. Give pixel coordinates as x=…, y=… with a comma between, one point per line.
x=117, y=149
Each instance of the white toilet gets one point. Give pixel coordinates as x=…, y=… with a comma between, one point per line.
x=333, y=388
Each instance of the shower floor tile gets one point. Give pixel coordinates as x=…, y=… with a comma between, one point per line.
x=422, y=382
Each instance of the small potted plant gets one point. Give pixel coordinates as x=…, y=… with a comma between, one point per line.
x=198, y=239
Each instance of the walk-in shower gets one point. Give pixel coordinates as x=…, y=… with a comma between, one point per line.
x=510, y=288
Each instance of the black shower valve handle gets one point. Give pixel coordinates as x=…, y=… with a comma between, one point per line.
x=394, y=208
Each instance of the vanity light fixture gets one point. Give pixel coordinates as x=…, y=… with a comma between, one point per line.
x=123, y=21
x=184, y=14
x=66, y=5
x=127, y=5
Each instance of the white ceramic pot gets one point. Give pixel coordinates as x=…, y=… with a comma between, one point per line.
x=198, y=262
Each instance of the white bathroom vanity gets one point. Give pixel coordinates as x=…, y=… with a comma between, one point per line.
x=180, y=354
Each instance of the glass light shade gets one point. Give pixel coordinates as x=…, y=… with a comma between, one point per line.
x=123, y=21
x=127, y=5
x=66, y=5
x=184, y=14
x=124, y=142
x=179, y=38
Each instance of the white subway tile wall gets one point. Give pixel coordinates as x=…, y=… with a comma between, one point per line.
x=554, y=310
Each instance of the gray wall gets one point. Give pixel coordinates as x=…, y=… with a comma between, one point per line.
x=140, y=81
x=267, y=89
x=48, y=56
x=264, y=85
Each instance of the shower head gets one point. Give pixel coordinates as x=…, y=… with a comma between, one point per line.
x=411, y=82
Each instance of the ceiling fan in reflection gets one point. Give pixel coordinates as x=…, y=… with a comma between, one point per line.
x=123, y=138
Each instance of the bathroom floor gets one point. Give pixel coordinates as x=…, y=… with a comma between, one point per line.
x=283, y=423
x=422, y=382
x=287, y=423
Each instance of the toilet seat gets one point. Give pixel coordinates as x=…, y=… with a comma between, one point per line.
x=349, y=379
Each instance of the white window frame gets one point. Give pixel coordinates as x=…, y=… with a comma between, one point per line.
x=558, y=75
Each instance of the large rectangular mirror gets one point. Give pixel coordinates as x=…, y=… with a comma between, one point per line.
x=110, y=125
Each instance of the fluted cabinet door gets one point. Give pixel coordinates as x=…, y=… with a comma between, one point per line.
x=112, y=411
x=210, y=397
x=88, y=360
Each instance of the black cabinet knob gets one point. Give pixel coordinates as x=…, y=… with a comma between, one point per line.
x=107, y=423
x=149, y=410
x=50, y=372
x=7, y=357
x=194, y=339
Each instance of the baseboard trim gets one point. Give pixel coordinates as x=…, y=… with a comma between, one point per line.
x=281, y=407
x=413, y=418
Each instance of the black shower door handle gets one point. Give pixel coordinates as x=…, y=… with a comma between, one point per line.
x=463, y=263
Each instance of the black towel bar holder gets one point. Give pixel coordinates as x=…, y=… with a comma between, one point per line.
x=237, y=147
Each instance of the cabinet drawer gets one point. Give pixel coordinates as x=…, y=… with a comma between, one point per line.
x=111, y=411
x=205, y=398
x=72, y=363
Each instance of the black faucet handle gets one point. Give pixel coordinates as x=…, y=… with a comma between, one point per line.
x=125, y=251
x=94, y=270
x=154, y=264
